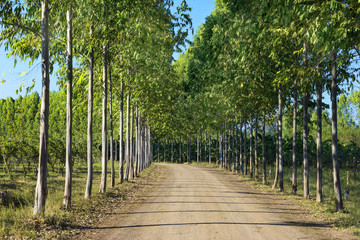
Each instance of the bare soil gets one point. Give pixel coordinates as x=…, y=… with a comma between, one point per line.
x=193, y=202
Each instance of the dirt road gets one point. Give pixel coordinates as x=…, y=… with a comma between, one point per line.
x=202, y=203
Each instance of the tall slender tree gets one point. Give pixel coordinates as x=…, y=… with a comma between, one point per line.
x=90, y=119
x=104, y=155
x=69, y=114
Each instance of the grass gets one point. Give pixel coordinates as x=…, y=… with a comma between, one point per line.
x=348, y=219
x=16, y=206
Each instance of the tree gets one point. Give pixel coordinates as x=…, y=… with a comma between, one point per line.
x=41, y=184
x=69, y=115
x=104, y=124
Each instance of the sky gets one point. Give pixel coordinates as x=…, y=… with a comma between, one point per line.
x=200, y=10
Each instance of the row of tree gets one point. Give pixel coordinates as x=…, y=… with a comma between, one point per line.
x=124, y=48
x=254, y=62
x=249, y=65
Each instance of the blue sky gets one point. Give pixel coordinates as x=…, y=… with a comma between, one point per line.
x=200, y=10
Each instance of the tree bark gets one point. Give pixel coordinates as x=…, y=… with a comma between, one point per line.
x=221, y=152
x=90, y=121
x=256, y=149
x=164, y=158
x=263, y=151
x=205, y=146
x=281, y=159
x=121, y=137
x=236, y=147
x=69, y=115
x=180, y=158
x=294, y=173
x=334, y=145
x=127, y=147
x=217, y=150
x=305, y=136
x=209, y=149
x=189, y=150
x=104, y=126
x=137, y=142
x=41, y=190
x=319, y=193
x=111, y=131
x=305, y=147
x=197, y=149
x=245, y=150
x=158, y=152
x=226, y=160
x=276, y=177
x=240, y=148
x=131, y=150
x=200, y=147
x=172, y=150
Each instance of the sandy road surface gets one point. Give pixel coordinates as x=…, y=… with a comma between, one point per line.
x=202, y=203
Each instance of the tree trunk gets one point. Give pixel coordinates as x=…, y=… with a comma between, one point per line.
x=276, y=177
x=305, y=137
x=229, y=150
x=150, y=147
x=180, y=160
x=131, y=151
x=221, y=152
x=281, y=159
x=158, y=152
x=90, y=121
x=111, y=131
x=251, y=147
x=121, y=137
x=205, y=145
x=236, y=148
x=209, y=149
x=41, y=190
x=127, y=147
x=256, y=149
x=164, y=151
x=245, y=151
x=189, y=150
x=69, y=115
x=217, y=150
x=319, y=193
x=200, y=152
x=241, y=149
x=263, y=151
x=104, y=125
x=294, y=173
x=305, y=147
x=226, y=160
x=197, y=149
x=172, y=150
x=233, y=146
x=334, y=145
x=137, y=142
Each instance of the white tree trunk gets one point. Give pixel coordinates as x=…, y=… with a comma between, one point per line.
x=104, y=126
x=121, y=137
x=90, y=121
x=41, y=190
x=68, y=160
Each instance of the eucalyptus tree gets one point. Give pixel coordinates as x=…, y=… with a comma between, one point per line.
x=333, y=31
x=20, y=24
x=69, y=114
